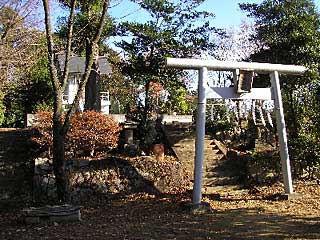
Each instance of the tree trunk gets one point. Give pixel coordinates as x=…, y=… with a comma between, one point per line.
x=60, y=126
x=59, y=136
x=294, y=122
x=146, y=102
x=92, y=90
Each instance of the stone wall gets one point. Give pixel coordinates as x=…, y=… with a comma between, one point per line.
x=113, y=176
x=32, y=118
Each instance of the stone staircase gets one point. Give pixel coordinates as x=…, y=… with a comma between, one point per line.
x=218, y=174
x=15, y=167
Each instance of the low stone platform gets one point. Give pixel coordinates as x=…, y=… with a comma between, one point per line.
x=63, y=213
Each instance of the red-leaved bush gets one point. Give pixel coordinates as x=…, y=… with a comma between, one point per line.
x=43, y=129
x=88, y=131
x=92, y=130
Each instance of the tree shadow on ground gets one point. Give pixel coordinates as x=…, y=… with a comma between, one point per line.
x=151, y=217
x=163, y=218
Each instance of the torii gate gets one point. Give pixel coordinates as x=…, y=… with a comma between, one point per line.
x=256, y=93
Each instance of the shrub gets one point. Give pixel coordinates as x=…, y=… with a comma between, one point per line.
x=92, y=130
x=305, y=155
x=43, y=130
x=88, y=131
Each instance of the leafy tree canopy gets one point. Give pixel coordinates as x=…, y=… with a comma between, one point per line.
x=21, y=47
x=85, y=22
x=175, y=29
x=289, y=33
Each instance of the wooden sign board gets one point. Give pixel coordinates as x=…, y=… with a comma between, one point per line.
x=229, y=93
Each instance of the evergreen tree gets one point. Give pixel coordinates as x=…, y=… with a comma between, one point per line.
x=289, y=33
x=174, y=29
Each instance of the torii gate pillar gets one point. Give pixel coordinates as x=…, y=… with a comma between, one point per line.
x=200, y=130
x=282, y=133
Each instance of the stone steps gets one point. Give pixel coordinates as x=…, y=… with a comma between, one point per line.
x=217, y=176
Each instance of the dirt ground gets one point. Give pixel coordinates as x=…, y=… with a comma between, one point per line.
x=258, y=215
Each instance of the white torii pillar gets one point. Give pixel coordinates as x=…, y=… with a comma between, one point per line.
x=200, y=129
x=203, y=66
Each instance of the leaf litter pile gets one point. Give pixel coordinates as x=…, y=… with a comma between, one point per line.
x=239, y=215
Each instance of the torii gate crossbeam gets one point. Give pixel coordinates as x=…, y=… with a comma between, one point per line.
x=273, y=70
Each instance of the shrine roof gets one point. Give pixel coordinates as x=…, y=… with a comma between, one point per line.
x=77, y=64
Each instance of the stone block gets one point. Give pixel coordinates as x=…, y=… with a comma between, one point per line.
x=290, y=196
x=197, y=209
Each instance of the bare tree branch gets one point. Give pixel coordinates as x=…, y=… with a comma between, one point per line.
x=18, y=19
x=116, y=4
x=89, y=63
x=52, y=67
x=69, y=41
